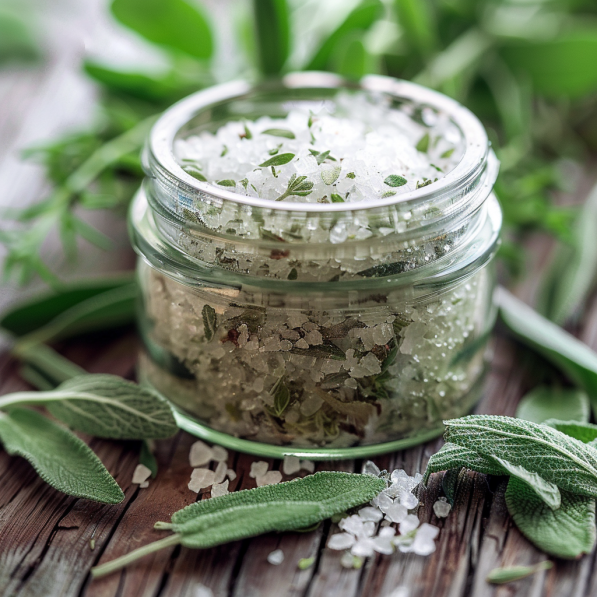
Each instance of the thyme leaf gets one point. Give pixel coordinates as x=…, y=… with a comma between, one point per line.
x=395, y=181
x=279, y=133
x=297, y=185
x=278, y=160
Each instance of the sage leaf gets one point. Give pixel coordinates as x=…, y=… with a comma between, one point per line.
x=395, y=181
x=146, y=458
x=281, y=396
x=502, y=576
x=278, y=160
x=450, y=483
x=584, y=432
x=331, y=175
x=286, y=506
x=209, y=322
x=176, y=24
x=540, y=449
x=545, y=403
x=423, y=144
x=226, y=183
x=31, y=315
x=455, y=457
x=571, y=274
x=279, y=133
x=567, y=532
x=559, y=347
x=59, y=457
x=337, y=198
x=104, y=406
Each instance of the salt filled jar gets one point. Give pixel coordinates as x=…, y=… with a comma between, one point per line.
x=316, y=264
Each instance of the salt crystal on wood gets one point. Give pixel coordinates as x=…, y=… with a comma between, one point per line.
x=142, y=473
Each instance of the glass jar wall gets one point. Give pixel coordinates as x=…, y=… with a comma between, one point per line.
x=330, y=330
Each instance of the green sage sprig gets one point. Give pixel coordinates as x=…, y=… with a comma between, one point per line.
x=284, y=507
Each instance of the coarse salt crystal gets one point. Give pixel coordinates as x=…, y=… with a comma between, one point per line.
x=219, y=489
x=352, y=524
x=370, y=468
x=370, y=514
x=231, y=474
x=144, y=485
x=258, y=469
x=270, y=478
x=276, y=557
x=408, y=500
x=410, y=523
x=442, y=508
x=141, y=474
x=202, y=591
x=291, y=465
x=220, y=473
x=308, y=465
x=396, y=513
x=341, y=541
x=219, y=454
x=200, y=454
x=200, y=479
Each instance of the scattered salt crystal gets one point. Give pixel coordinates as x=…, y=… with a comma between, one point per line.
x=383, y=542
x=396, y=513
x=291, y=465
x=408, y=500
x=370, y=468
x=258, y=469
x=311, y=405
x=231, y=474
x=314, y=338
x=370, y=514
x=410, y=523
x=352, y=524
x=276, y=557
x=424, y=543
x=219, y=454
x=341, y=541
x=348, y=560
x=202, y=591
x=141, y=474
x=383, y=501
x=308, y=465
x=270, y=478
x=399, y=592
x=144, y=485
x=442, y=507
x=219, y=489
x=363, y=548
x=200, y=479
x=220, y=473
x=200, y=454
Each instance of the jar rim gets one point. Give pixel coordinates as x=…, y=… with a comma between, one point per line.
x=469, y=168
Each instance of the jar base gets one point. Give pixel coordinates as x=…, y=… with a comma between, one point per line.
x=192, y=426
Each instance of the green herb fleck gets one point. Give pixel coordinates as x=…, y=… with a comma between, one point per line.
x=423, y=144
x=330, y=176
x=247, y=134
x=337, y=198
x=501, y=576
x=351, y=175
x=425, y=183
x=278, y=160
x=224, y=151
x=194, y=172
x=448, y=153
x=305, y=563
x=281, y=396
x=395, y=181
x=293, y=274
x=388, y=194
x=279, y=133
x=244, y=182
x=209, y=322
x=226, y=183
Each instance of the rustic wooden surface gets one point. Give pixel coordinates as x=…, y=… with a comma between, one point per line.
x=45, y=536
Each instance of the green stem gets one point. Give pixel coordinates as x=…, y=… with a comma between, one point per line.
x=53, y=365
x=133, y=556
x=33, y=377
x=162, y=526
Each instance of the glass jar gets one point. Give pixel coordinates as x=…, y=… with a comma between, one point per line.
x=322, y=330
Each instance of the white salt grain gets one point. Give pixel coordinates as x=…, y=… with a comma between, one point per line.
x=370, y=468
x=341, y=541
x=308, y=465
x=231, y=474
x=258, y=469
x=276, y=557
x=396, y=513
x=202, y=591
x=270, y=478
x=370, y=514
x=410, y=523
x=291, y=465
x=442, y=508
x=200, y=454
x=200, y=479
x=219, y=454
x=219, y=489
x=141, y=474
x=220, y=473
x=144, y=485
x=408, y=500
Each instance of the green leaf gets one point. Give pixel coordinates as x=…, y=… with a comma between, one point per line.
x=423, y=143
x=174, y=24
x=351, y=59
x=272, y=24
x=395, y=181
x=502, y=576
x=568, y=354
x=279, y=133
x=104, y=406
x=29, y=316
x=330, y=175
x=567, y=532
x=278, y=160
x=146, y=458
x=452, y=457
x=210, y=322
x=558, y=458
x=226, y=183
x=46, y=361
x=281, y=396
x=17, y=42
x=60, y=458
x=560, y=67
x=359, y=20
x=582, y=431
x=337, y=198
x=554, y=403
x=571, y=275
x=327, y=350
x=450, y=483
x=287, y=506
x=298, y=186
x=416, y=22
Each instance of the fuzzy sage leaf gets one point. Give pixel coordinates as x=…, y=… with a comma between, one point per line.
x=545, y=403
x=502, y=576
x=284, y=507
x=103, y=406
x=60, y=458
x=210, y=323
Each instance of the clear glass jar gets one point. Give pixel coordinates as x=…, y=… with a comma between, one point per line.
x=283, y=328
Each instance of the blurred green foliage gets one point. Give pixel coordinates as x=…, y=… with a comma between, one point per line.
x=17, y=41
x=525, y=67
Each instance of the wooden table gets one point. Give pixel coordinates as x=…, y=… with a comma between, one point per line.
x=45, y=536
